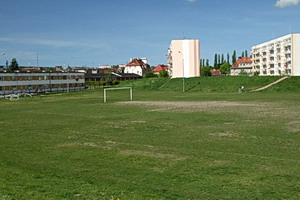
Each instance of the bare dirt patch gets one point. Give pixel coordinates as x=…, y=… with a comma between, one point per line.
x=152, y=155
x=182, y=104
x=293, y=126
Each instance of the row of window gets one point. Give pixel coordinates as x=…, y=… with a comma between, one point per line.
x=29, y=78
x=36, y=87
x=272, y=72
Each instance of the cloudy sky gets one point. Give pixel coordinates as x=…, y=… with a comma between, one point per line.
x=107, y=32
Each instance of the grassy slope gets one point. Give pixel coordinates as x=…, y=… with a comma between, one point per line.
x=289, y=85
x=214, y=84
x=147, y=83
x=219, y=84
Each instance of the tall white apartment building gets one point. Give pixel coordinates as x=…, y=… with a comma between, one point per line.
x=184, y=58
x=280, y=56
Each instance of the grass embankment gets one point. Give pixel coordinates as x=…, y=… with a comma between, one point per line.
x=145, y=84
x=215, y=84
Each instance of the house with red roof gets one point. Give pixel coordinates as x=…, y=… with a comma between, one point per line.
x=216, y=72
x=137, y=66
x=243, y=64
x=159, y=68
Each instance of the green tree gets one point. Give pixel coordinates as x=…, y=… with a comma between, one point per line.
x=225, y=68
x=163, y=73
x=150, y=75
x=228, y=57
x=216, y=61
x=201, y=62
x=13, y=65
x=243, y=54
x=205, y=71
x=108, y=79
x=207, y=62
x=246, y=53
x=234, y=57
x=256, y=73
x=222, y=60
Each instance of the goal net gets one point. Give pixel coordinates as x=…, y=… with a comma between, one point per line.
x=105, y=96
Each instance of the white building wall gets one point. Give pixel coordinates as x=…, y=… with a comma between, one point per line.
x=184, y=58
x=296, y=54
x=134, y=70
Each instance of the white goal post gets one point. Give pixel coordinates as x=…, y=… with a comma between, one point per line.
x=121, y=88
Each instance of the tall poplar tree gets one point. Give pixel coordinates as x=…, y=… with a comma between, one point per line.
x=207, y=62
x=216, y=61
x=234, y=57
x=228, y=57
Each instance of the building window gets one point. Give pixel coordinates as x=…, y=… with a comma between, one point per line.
x=1, y=88
x=1, y=78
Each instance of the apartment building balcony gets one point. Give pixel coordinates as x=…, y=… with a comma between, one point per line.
x=270, y=62
x=287, y=51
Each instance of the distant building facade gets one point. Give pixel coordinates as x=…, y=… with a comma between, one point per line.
x=137, y=66
x=280, y=56
x=184, y=58
x=216, y=72
x=159, y=68
x=31, y=82
x=242, y=65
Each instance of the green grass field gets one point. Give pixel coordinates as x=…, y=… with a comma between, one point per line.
x=207, y=143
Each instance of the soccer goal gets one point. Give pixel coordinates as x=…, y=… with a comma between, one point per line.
x=121, y=88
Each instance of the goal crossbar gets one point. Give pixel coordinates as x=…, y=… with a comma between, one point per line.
x=120, y=88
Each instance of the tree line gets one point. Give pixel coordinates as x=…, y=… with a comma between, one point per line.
x=221, y=63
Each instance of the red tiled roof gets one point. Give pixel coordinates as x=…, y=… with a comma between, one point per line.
x=31, y=69
x=242, y=60
x=160, y=67
x=215, y=72
x=136, y=62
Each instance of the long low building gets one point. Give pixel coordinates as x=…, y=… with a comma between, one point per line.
x=30, y=82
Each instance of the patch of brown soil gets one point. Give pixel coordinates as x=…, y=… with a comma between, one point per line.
x=183, y=104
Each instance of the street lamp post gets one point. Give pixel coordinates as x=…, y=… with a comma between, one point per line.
x=3, y=54
x=183, y=88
